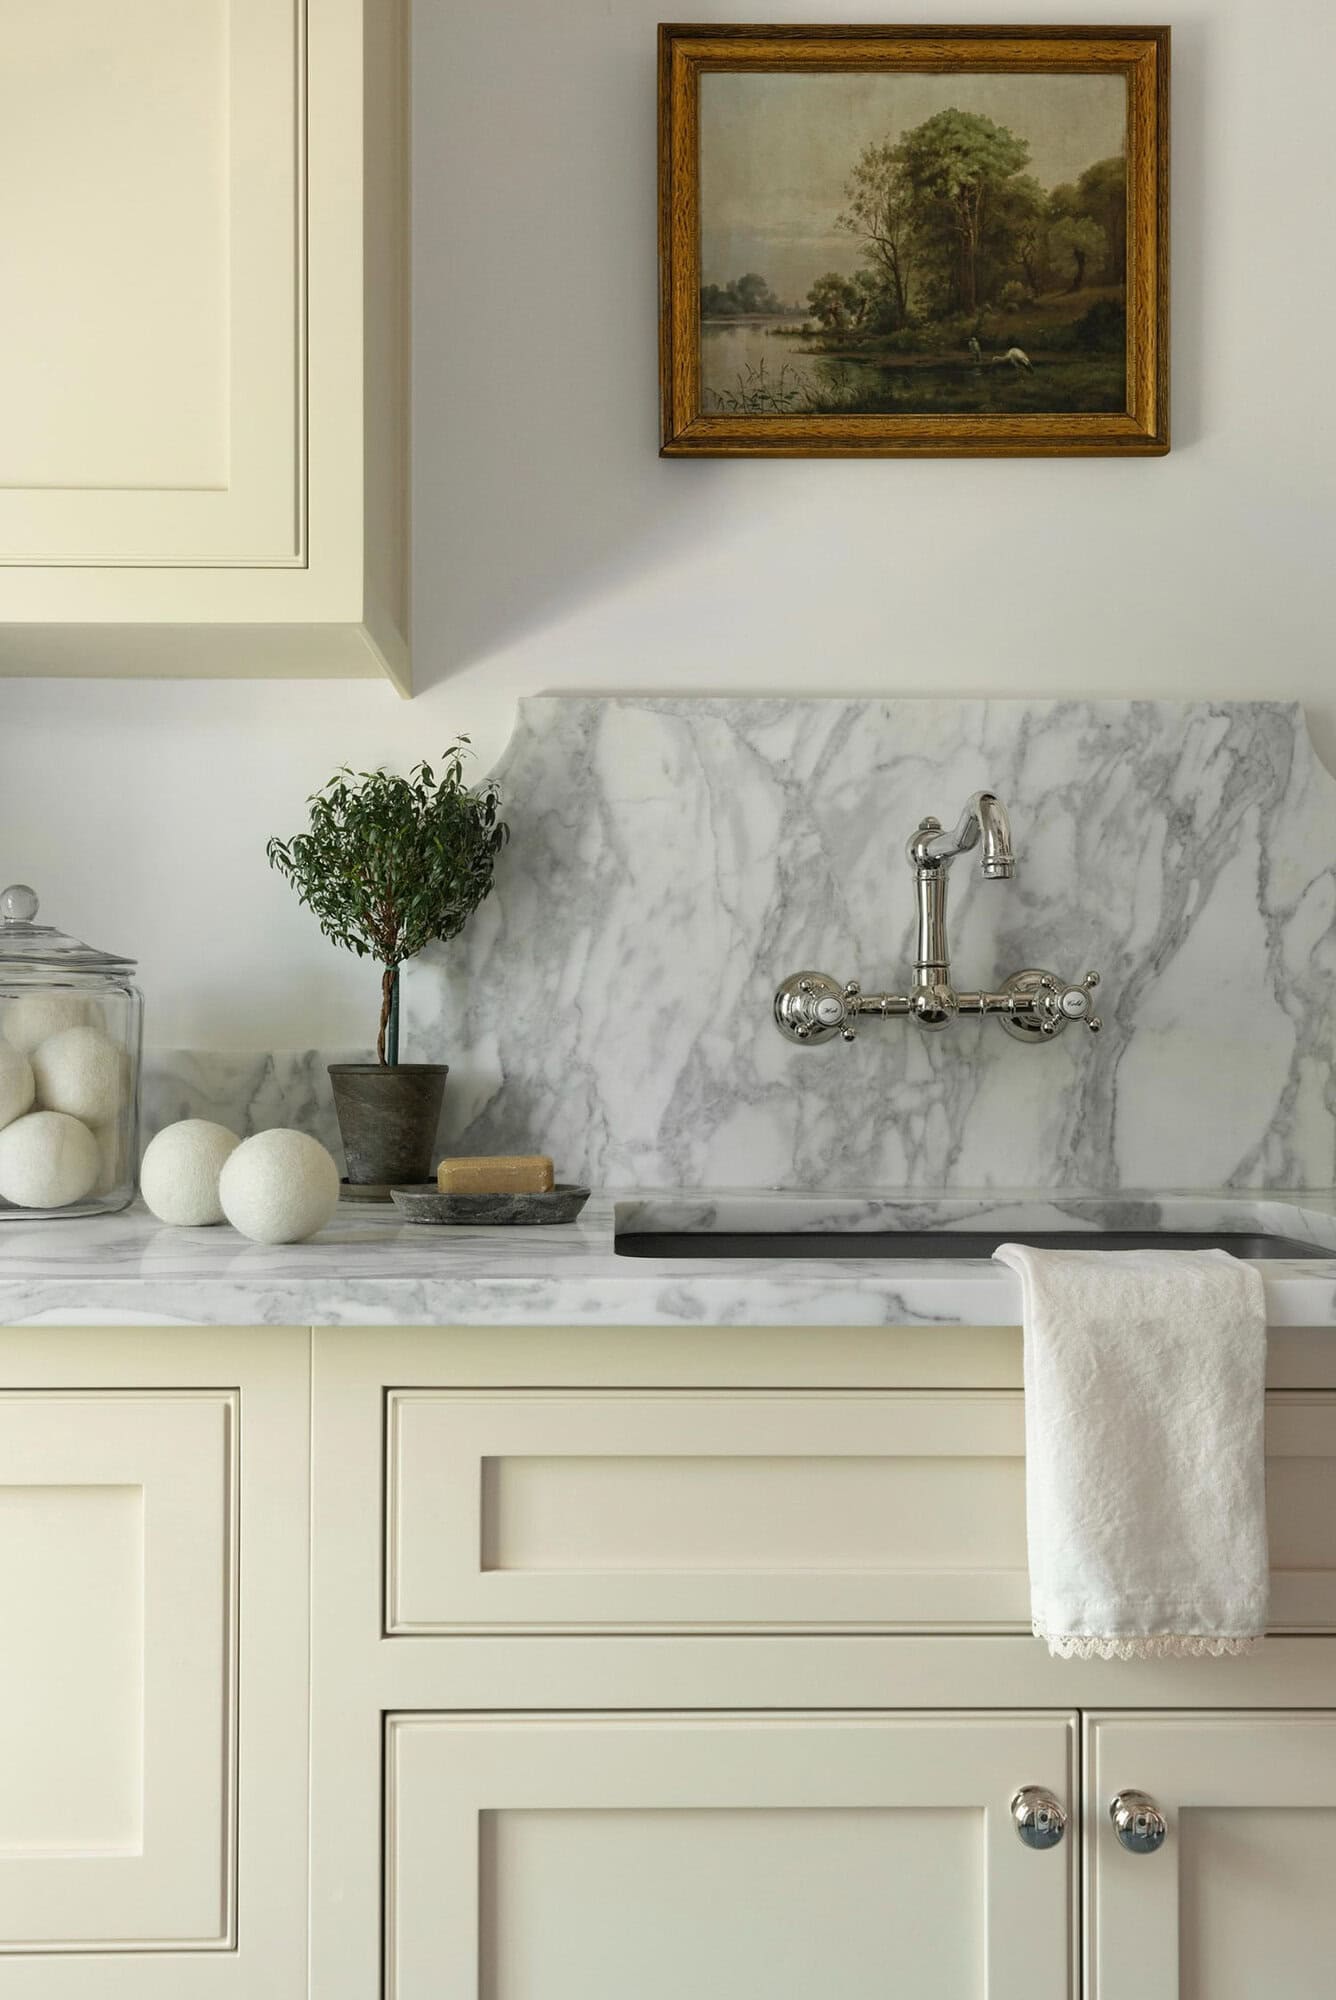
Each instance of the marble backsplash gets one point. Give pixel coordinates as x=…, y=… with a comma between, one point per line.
x=247, y=1093
x=671, y=860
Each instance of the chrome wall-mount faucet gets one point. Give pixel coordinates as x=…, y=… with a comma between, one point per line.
x=1032, y=1005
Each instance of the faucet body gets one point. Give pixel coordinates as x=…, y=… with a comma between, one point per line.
x=1031, y=1005
x=933, y=1002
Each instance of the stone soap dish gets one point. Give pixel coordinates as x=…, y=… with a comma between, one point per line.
x=427, y=1204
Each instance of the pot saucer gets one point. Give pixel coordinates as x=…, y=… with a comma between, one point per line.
x=364, y=1190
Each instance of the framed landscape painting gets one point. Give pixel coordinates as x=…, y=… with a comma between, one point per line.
x=918, y=240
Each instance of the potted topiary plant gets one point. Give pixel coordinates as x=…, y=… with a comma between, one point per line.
x=387, y=865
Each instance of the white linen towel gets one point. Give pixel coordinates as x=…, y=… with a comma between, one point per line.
x=1145, y=1471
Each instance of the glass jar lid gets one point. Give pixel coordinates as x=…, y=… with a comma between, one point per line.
x=26, y=943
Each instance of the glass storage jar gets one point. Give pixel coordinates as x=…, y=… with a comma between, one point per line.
x=70, y=1034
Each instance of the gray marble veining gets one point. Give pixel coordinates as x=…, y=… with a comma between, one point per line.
x=247, y=1093
x=673, y=859
x=369, y=1268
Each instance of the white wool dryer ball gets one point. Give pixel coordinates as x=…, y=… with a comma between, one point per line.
x=17, y=1088
x=47, y=1161
x=279, y=1187
x=179, y=1175
x=83, y=1072
x=35, y=1017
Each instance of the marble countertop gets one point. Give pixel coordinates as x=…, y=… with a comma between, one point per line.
x=369, y=1268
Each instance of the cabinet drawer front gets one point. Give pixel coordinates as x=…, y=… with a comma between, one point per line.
x=776, y=1855
x=117, y=1680
x=787, y=1511
x=723, y=1511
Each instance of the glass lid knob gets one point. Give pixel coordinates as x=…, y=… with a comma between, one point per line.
x=18, y=904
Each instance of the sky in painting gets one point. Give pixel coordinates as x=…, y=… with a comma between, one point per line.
x=776, y=150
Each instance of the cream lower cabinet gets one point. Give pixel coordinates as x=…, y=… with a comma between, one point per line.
x=153, y=1565
x=723, y=1856
x=694, y=1662
x=631, y=1663
x=1238, y=1903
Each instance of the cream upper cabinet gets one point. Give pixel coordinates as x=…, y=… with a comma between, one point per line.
x=1237, y=1900
x=729, y=1857
x=202, y=348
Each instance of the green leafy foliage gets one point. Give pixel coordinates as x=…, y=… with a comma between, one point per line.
x=946, y=218
x=389, y=864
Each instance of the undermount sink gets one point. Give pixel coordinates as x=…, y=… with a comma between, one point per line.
x=948, y=1243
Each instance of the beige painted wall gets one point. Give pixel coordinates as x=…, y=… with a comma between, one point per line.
x=555, y=550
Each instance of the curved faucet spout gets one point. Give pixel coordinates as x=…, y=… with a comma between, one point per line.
x=985, y=821
x=997, y=862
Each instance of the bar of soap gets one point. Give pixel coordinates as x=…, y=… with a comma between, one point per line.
x=507, y=1173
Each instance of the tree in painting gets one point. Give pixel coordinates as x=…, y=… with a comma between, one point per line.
x=961, y=259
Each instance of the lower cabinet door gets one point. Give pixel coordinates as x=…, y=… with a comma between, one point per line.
x=1237, y=1901
x=117, y=1538
x=154, y=1487
x=724, y=1857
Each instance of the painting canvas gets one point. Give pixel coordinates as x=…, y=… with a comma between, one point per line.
x=899, y=246
x=913, y=243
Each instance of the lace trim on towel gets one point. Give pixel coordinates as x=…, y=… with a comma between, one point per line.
x=1151, y=1646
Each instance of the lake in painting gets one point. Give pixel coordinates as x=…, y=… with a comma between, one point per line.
x=878, y=243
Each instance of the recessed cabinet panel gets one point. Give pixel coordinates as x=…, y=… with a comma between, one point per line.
x=893, y=1510
x=785, y=1856
x=151, y=350
x=117, y=1709
x=72, y=1587
x=1237, y=1903
x=1256, y=1912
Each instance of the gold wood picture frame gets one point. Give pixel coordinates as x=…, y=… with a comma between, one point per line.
x=939, y=241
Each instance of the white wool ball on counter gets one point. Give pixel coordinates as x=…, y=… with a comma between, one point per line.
x=47, y=1160
x=17, y=1088
x=181, y=1166
x=83, y=1072
x=279, y=1187
x=35, y=1017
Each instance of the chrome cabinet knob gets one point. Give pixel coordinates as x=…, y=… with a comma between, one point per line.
x=1039, y=1819
x=1138, y=1822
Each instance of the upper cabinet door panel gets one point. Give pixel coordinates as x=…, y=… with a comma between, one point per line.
x=152, y=279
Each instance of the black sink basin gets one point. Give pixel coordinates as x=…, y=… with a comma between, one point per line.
x=939, y=1243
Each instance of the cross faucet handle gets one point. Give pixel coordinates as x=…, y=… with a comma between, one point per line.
x=813, y=1006
x=1042, y=1005
x=1059, y=1004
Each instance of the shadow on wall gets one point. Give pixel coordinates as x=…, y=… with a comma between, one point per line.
x=537, y=480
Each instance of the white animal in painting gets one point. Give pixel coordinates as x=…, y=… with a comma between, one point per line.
x=1017, y=357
